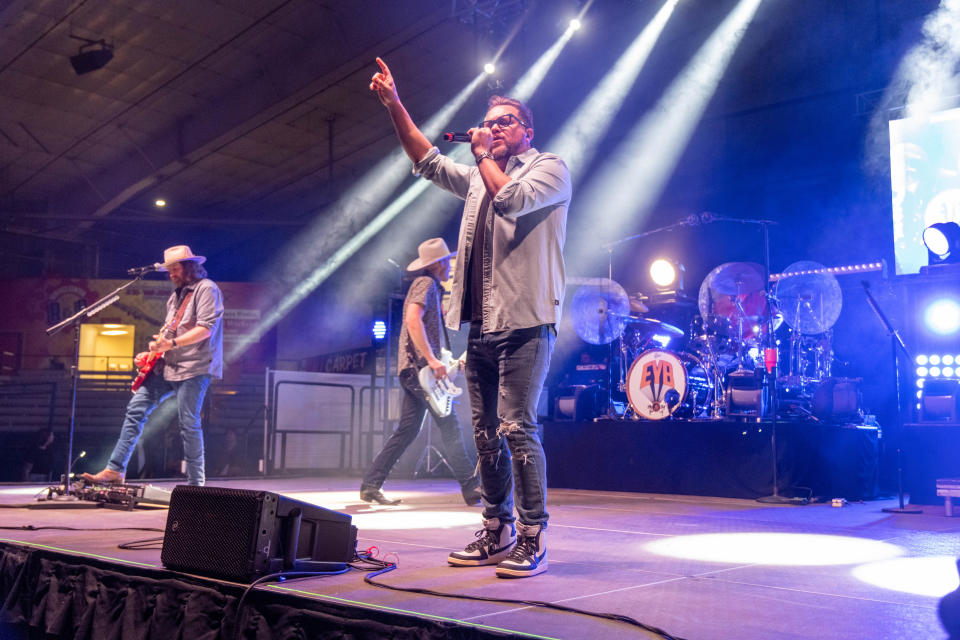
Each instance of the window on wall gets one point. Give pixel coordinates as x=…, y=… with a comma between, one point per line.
x=107, y=348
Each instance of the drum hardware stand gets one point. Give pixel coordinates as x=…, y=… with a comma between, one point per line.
x=690, y=221
x=76, y=320
x=898, y=346
x=424, y=465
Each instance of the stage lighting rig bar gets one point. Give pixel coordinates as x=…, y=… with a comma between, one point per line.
x=837, y=271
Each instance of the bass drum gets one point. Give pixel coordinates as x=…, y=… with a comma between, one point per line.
x=661, y=384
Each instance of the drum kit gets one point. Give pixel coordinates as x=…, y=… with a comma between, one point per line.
x=774, y=332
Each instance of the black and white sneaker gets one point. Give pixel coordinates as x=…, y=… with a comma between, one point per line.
x=492, y=545
x=529, y=556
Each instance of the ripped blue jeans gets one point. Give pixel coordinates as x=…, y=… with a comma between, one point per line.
x=505, y=373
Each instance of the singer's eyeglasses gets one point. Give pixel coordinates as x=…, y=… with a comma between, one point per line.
x=503, y=122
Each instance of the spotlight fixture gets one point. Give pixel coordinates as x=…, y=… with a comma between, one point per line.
x=379, y=329
x=575, y=24
x=489, y=68
x=942, y=317
x=666, y=275
x=160, y=203
x=89, y=59
x=942, y=240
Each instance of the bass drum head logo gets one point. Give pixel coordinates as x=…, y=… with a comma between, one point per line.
x=656, y=384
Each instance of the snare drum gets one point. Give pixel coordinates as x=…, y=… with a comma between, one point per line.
x=656, y=384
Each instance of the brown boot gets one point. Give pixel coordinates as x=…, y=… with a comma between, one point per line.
x=107, y=476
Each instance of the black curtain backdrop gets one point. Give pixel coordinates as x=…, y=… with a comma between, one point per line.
x=49, y=595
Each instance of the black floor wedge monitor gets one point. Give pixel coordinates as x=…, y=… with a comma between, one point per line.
x=243, y=534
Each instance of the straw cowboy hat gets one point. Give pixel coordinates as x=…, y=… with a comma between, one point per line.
x=179, y=253
x=430, y=251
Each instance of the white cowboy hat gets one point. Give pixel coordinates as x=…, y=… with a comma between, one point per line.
x=430, y=251
x=179, y=253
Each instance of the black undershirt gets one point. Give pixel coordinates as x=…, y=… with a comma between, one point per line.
x=474, y=298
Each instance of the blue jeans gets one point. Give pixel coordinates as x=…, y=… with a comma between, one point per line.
x=413, y=408
x=505, y=374
x=155, y=389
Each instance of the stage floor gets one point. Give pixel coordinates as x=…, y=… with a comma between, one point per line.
x=812, y=571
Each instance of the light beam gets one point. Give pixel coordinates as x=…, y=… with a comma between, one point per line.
x=577, y=141
x=634, y=176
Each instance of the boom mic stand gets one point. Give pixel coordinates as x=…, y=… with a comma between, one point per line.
x=772, y=373
x=76, y=320
x=898, y=346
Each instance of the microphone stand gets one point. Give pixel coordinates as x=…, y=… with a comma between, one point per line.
x=772, y=374
x=76, y=320
x=898, y=346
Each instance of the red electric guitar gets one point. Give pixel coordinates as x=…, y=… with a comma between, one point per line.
x=144, y=371
x=154, y=357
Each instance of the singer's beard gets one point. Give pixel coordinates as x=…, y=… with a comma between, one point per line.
x=502, y=152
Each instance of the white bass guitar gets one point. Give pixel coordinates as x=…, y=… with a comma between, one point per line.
x=440, y=393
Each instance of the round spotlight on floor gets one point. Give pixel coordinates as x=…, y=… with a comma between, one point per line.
x=943, y=316
x=943, y=242
x=931, y=576
x=489, y=68
x=780, y=549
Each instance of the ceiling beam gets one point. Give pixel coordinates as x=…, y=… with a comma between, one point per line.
x=291, y=80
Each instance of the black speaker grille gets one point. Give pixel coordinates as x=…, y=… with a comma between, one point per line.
x=218, y=531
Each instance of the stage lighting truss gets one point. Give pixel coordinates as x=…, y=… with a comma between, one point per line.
x=942, y=240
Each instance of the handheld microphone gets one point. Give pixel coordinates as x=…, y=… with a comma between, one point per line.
x=156, y=266
x=456, y=136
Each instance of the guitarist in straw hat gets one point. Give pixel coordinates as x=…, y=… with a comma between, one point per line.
x=421, y=338
x=191, y=345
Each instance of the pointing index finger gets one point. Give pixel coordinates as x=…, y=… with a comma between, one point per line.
x=383, y=66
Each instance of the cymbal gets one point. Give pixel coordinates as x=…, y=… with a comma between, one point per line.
x=651, y=325
x=742, y=316
x=736, y=278
x=637, y=306
x=598, y=311
x=810, y=302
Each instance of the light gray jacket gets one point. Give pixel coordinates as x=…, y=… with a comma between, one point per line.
x=523, y=270
x=206, y=310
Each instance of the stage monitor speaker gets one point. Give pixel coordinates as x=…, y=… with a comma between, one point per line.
x=243, y=534
x=746, y=395
x=838, y=400
x=578, y=402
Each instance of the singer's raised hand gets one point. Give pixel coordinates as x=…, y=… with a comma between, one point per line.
x=481, y=140
x=414, y=143
x=382, y=83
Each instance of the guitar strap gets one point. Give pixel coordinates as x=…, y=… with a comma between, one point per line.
x=443, y=323
x=179, y=316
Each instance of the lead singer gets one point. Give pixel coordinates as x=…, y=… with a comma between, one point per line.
x=509, y=287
